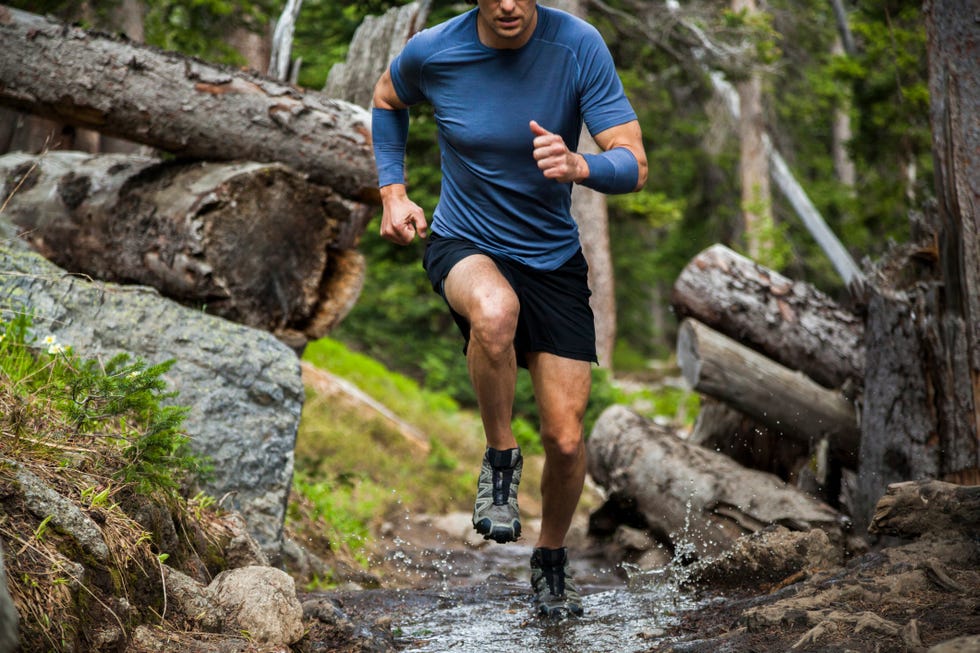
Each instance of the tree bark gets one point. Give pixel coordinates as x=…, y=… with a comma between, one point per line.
x=841, y=132
x=922, y=391
x=790, y=322
x=590, y=210
x=953, y=330
x=181, y=105
x=697, y=500
x=753, y=165
x=918, y=507
x=254, y=243
x=787, y=402
x=282, y=41
x=376, y=42
x=748, y=442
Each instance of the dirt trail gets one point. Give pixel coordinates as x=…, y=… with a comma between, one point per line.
x=444, y=591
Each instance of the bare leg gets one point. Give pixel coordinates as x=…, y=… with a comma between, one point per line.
x=477, y=291
x=561, y=386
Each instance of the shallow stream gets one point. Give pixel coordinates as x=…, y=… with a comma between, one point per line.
x=478, y=601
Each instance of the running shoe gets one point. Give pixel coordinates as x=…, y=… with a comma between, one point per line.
x=554, y=588
x=495, y=515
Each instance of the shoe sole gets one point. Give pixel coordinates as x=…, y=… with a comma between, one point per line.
x=500, y=534
x=559, y=611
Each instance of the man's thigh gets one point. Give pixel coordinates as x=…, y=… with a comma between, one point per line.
x=475, y=284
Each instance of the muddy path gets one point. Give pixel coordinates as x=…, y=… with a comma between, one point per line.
x=445, y=591
x=442, y=590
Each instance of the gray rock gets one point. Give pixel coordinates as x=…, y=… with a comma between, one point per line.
x=8, y=613
x=243, y=387
x=191, y=599
x=65, y=516
x=260, y=601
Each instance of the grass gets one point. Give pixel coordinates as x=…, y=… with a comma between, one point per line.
x=96, y=435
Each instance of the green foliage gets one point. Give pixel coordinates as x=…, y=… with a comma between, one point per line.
x=122, y=397
x=402, y=394
x=200, y=27
x=347, y=506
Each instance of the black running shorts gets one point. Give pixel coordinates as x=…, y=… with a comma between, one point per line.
x=555, y=315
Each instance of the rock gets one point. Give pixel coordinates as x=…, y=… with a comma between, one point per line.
x=191, y=599
x=8, y=613
x=243, y=387
x=65, y=516
x=260, y=601
x=332, y=630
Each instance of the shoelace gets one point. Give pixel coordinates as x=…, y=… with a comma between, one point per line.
x=556, y=579
x=502, y=476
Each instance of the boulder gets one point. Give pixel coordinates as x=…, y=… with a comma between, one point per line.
x=260, y=601
x=242, y=386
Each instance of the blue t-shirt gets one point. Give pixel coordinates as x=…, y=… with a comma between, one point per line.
x=493, y=193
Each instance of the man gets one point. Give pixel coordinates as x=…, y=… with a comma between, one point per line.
x=511, y=83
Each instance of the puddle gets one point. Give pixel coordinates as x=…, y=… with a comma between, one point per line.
x=479, y=602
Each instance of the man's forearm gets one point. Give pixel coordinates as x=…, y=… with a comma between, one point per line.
x=389, y=132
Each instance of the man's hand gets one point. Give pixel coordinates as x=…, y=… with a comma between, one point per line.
x=554, y=158
x=401, y=218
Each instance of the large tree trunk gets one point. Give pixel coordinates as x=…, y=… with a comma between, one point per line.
x=697, y=500
x=181, y=105
x=254, y=243
x=787, y=402
x=922, y=392
x=792, y=323
x=954, y=91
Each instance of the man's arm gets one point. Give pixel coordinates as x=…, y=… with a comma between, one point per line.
x=401, y=218
x=557, y=162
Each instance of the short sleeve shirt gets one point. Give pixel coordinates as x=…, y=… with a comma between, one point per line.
x=493, y=193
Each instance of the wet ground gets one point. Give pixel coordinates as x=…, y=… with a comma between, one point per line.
x=475, y=597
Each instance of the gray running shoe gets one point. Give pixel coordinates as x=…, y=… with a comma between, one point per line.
x=495, y=515
x=554, y=589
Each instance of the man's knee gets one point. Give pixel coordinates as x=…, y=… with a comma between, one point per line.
x=563, y=447
x=493, y=320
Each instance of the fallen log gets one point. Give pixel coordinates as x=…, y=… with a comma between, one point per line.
x=254, y=243
x=915, y=508
x=785, y=401
x=181, y=105
x=748, y=442
x=791, y=322
x=695, y=500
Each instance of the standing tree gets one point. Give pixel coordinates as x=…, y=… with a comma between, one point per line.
x=757, y=217
x=922, y=386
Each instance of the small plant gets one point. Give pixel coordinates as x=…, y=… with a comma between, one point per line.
x=92, y=399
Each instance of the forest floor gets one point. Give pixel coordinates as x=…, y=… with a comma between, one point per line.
x=442, y=590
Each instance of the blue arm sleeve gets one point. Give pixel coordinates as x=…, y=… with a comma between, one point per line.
x=389, y=132
x=614, y=171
